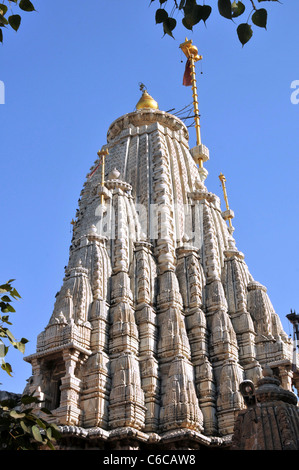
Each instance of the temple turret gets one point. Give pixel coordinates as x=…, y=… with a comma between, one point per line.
x=158, y=320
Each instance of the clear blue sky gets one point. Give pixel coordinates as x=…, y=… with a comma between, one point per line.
x=74, y=67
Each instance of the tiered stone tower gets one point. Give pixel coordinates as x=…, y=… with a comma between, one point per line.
x=158, y=319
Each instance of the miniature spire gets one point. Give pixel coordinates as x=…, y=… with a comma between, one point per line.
x=228, y=214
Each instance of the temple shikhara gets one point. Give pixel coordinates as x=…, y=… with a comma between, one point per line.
x=158, y=321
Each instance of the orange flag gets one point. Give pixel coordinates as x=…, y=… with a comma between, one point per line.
x=187, y=81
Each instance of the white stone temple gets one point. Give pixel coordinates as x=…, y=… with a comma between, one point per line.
x=158, y=319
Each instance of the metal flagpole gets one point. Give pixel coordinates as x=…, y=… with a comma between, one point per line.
x=191, y=52
x=103, y=154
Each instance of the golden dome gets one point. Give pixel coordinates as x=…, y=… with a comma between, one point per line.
x=146, y=101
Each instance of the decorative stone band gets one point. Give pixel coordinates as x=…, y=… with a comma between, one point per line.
x=146, y=117
x=125, y=433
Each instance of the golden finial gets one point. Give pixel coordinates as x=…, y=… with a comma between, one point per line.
x=228, y=214
x=146, y=100
x=103, y=154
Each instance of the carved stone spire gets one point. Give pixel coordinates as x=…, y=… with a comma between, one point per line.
x=158, y=319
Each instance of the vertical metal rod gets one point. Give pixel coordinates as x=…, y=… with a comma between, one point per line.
x=103, y=154
x=195, y=102
x=223, y=179
x=191, y=52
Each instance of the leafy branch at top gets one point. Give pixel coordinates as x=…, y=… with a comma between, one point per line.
x=9, y=18
x=194, y=13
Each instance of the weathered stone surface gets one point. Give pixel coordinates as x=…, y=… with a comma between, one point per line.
x=158, y=319
x=271, y=421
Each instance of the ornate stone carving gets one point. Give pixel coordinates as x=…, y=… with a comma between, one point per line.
x=271, y=421
x=158, y=319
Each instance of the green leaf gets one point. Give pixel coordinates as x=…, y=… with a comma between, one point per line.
x=8, y=308
x=238, y=9
x=259, y=18
x=9, y=403
x=14, y=21
x=27, y=399
x=5, y=288
x=24, y=427
x=55, y=431
x=189, y=5
x=36, y=433
x=225, y=8
x=7, y=367
x=20, y=346
x=161, y=15
x=5, y=298
x=168, y=26
x=16, y=415
x=49, y=433
x=3, y=21
x=5, y=319
x=3, y=350
x=186, y=22
x=3, y=9
x=206, y=10
x=14, y=293
x=41, y=423
x=194, y=13
x=50, y=445
x=26, y=5
x=244, y=32
x=9, y=335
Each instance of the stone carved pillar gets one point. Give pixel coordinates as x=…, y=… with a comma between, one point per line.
x=235, y=279
x=229, y=401
x=95, y=394
x=148, y=335
x=69, y=411
x=173, y=340
x=174, y=357
x=180, y=406
x=126, y=397
x=163, y=215
x=286, y=377
x=191, y=279
x=35, y=384
x=224, y=354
